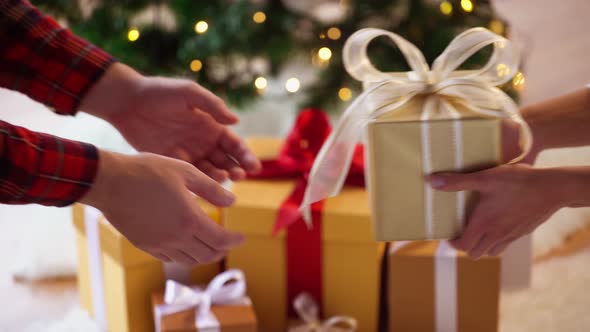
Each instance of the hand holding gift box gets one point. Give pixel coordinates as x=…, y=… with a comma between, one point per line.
x=221, y=306
x=309, y=312
x=420, y=122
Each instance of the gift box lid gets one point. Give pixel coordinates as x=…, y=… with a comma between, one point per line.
x=428, y=249
x=116, y=245
x=345, y=217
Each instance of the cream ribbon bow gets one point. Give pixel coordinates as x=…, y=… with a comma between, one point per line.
x=228, y=287
x=441, y=86
x=308, y=311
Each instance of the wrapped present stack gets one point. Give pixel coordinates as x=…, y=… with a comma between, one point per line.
x=281, y=257
x=322, y=253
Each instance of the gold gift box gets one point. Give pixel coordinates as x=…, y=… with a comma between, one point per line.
x=232, y=318
x=351, y=258
x=129, y=275
x=410, y=296
x=395, y=176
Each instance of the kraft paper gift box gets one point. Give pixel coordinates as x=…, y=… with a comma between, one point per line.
x=428, y=120
x=433, y=288
x=116, y=279
x=217, y=307
x=350, y=258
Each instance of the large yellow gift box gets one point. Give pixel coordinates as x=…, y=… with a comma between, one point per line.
x=430, y=287
x=350, y=258
x=116, y=279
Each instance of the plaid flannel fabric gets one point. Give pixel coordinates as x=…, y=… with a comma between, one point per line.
x=44, y=169
x=53, y=66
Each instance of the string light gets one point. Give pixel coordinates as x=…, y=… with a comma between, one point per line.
x=344, y=94
x=133, y=34
x=502, y=70
x=259, y=17
x=497, y=26
x=334, y=33
x=292, y=85
x=518, y=81
x=201, y=27
x=446, y=8
x=322, y=35
x=196, y=65
x=467, y=5
x=260, y=83
x=325, y=53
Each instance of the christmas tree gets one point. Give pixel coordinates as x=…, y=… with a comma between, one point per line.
x=233, y=46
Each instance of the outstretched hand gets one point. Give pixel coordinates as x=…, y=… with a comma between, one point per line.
x=173, y=117
x=149, y=199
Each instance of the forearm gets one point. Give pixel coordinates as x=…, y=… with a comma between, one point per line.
x=114, y=92
x=45, y=61
x=560, y=122
x=572, y=184
x=43, y=169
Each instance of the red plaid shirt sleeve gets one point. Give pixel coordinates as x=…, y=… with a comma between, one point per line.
x=45, y=61
x=43, y=169
x=53, y=66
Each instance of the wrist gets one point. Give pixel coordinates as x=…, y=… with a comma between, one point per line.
x=537, y=130
x=570, y=184
x=113, y=93
x=103, y=188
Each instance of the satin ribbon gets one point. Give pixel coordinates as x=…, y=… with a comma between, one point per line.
x=295, y=159
x=227, y=288
x=91, y=220
x=308, y=311
x=445, y=285
x=442, y=87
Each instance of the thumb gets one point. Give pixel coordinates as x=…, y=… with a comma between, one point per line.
x=209, y=189
x=456, y=181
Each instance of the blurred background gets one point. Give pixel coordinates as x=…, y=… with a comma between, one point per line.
x=269, y=59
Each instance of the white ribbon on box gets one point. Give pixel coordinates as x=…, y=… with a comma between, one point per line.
x=308, y=311
x=445, y=285
x=91, y=220
x=227, y=288
x=442, y=86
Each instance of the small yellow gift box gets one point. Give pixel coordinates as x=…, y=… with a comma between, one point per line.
x=116, y=279
x=350, y=259
x=433, y=288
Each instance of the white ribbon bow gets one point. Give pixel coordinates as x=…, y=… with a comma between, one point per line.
x=226, y=288
x=308, y=311
x=442, y=87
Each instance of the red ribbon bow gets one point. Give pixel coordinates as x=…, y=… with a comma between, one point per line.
x=295, y=160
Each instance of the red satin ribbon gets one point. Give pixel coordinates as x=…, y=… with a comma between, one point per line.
x=304, y=245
